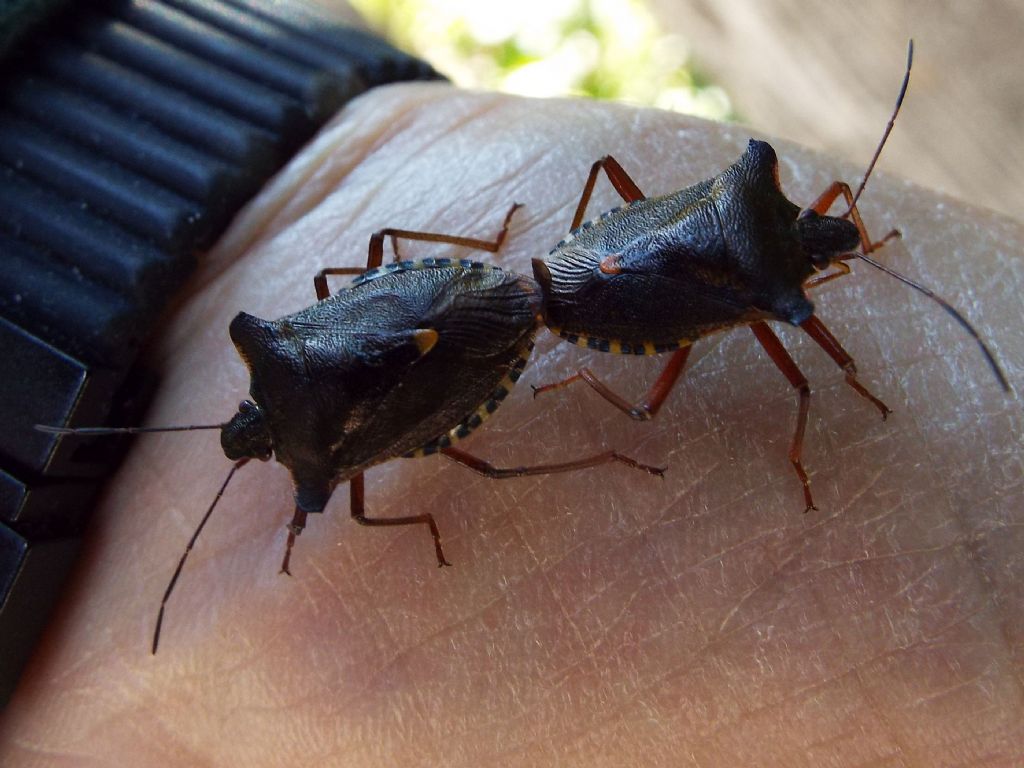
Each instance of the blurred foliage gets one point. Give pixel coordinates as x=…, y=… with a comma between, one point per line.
x=607, y=49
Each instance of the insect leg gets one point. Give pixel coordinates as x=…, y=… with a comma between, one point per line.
x=841, y=269
x=830, y=195
x=358, y=502
x=623, y=184
x=320, y=279
x=824, y=338
x=798, y=381
x=376, y=254
x=646, y=408
x=486, y=469
x=295, y=527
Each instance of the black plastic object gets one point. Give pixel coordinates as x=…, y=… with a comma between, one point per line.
x=32, y=574
x=130, y=132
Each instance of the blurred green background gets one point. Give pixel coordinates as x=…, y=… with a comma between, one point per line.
x=823, y=74
x=609, y=49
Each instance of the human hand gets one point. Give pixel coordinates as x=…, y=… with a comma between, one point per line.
x=598, y=618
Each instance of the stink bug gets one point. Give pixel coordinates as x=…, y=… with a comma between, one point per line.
x=405, y=361
x=656, y=274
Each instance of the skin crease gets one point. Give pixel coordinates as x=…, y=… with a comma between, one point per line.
x=589, y=618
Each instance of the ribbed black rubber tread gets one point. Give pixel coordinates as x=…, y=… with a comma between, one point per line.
x=140, y=146
x=318, y=91
x=98, y=325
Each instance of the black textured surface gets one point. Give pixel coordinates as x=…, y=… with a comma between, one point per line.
x=42, y=385
x=60, y=306
x=141, y=206
x=130, y=132
x=124, y=137
x=19, y=17
x=46, y=510
x=102, y=250
x=319, y=91
x=32, y=574
x=178, y=114
x=47, y=396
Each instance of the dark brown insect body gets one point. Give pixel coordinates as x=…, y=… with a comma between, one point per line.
x=657, y=274
x=406, y=360
x=727, y=251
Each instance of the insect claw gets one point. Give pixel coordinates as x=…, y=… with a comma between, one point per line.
x=640, y=413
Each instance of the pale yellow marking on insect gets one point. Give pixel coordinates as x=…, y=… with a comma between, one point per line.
x=425, y=339
x=615, y=345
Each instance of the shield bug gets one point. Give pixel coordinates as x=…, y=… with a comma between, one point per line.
x=656, y=274
x=405, y=361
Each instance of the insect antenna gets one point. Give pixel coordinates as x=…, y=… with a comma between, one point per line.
x=121, y=430
x=996, y=370
x=952, y=311
x=188, y=548
x=886, y=132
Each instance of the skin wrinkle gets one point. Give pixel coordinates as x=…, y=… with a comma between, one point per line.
x=285, y=185
x=804, y=536
x=604, y=629
x=769, y=706
x=405, y=652
x=878, y=713
x=479, y=111
x=748, y=714
x=857, y=672
x=958, y=685
x=853, y=670
x=523, y=712
x=983, y=584
x=698, y=654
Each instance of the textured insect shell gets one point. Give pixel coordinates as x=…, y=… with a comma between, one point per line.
x=720, y=253
x=347, y=383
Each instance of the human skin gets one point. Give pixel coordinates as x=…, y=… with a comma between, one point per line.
x=600, y=618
